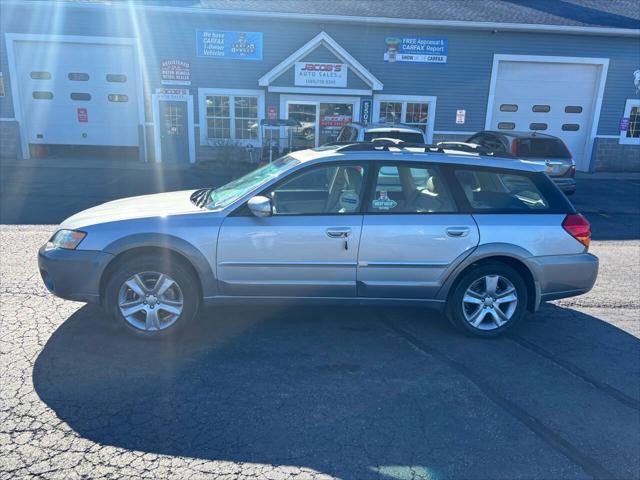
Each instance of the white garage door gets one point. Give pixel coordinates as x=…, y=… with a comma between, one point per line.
x=554, y=98
x=77, y=93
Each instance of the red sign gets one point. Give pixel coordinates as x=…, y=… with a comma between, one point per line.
x=272, y=113
x=83, y=116
x=335, y=120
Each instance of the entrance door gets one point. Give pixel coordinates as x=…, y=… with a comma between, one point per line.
x=320, y=118
x=304, y=135
x=174, y=135
x=307, y=248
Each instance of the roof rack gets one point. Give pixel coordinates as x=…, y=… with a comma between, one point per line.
x=384, y=146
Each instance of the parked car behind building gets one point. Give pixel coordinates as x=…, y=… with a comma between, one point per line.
x=358, y=132
x=531, y=146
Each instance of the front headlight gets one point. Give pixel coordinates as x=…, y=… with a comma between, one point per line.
x=67, y=239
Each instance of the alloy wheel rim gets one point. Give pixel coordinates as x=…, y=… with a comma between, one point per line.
x=489, y=302
x=150, y=301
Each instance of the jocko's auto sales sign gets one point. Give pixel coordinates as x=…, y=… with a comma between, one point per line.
x=321, y=74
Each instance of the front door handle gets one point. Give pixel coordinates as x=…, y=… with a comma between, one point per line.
x=458, y=231
x=338, y=232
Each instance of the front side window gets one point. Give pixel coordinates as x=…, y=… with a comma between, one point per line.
x=330, y=190
x=409, y=189
x=489, y=191
x=232, y=117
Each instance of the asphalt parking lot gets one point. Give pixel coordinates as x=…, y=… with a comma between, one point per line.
x=353, y=393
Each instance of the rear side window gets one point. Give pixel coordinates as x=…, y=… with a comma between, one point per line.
x=541, y=148
x=410, y=189
x=408, y=137
x=494, y=191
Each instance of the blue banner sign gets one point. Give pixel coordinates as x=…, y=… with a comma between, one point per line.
x=416, y=50
x=233, y=45
x=365, y=111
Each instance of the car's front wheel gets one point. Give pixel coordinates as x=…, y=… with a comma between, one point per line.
x=488, y=300
x=152, y=296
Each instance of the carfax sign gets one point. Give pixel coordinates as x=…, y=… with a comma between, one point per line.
x=416, y=50
x=232, y=45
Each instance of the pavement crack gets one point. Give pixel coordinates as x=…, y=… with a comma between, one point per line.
x=546, y=434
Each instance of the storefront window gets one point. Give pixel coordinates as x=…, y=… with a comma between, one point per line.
x=411, y=113
x=246, y=118
x=634, y=123
x=390, y=112
x=333, y=116
x=223, y=109
x=417, y=114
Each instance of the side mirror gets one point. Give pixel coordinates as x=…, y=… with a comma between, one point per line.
x=260, y=206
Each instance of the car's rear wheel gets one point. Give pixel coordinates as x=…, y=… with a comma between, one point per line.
x=488, y=300
x=152, y=296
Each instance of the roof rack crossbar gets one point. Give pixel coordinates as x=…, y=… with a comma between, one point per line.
x=386, y=146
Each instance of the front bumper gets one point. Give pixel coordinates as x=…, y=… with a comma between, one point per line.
x=73, y=274
x=567, y=185
x=561, y=276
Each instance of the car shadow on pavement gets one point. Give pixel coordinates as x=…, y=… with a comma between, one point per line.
x=340, y=391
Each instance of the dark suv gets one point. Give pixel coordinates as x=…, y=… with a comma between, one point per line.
x=531, y=146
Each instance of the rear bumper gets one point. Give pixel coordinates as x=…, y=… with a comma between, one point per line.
x=561, y=276
x=73, y=274
x=567, y=185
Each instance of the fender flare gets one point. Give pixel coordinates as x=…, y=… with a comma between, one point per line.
x=489, y=250
x=193, y=255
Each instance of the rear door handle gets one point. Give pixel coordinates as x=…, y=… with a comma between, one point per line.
x=338, y=232
x=458, y=231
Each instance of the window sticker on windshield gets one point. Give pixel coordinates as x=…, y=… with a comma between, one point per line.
x=349, y=200
x=383, y=202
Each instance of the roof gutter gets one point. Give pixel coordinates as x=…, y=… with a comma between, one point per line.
x=469, y=25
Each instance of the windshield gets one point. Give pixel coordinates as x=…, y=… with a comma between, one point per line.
x=232, y=191
x=409, y=137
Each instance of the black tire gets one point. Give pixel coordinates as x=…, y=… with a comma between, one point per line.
x=176, y=269
x=455, y=306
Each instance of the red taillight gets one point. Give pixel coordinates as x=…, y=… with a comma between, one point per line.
x=578, y=227
x=514, y=147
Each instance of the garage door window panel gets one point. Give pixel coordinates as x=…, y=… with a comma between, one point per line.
x=506, y=126
x=116, y=78
x=40, y=75
x=573, y=109
x=80, y=96
x=541, y=108
x=40, y=95
x=118, y=97
x=78, y=77
x=508, y=107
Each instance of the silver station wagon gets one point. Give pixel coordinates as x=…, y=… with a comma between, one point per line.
x=477, y=238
